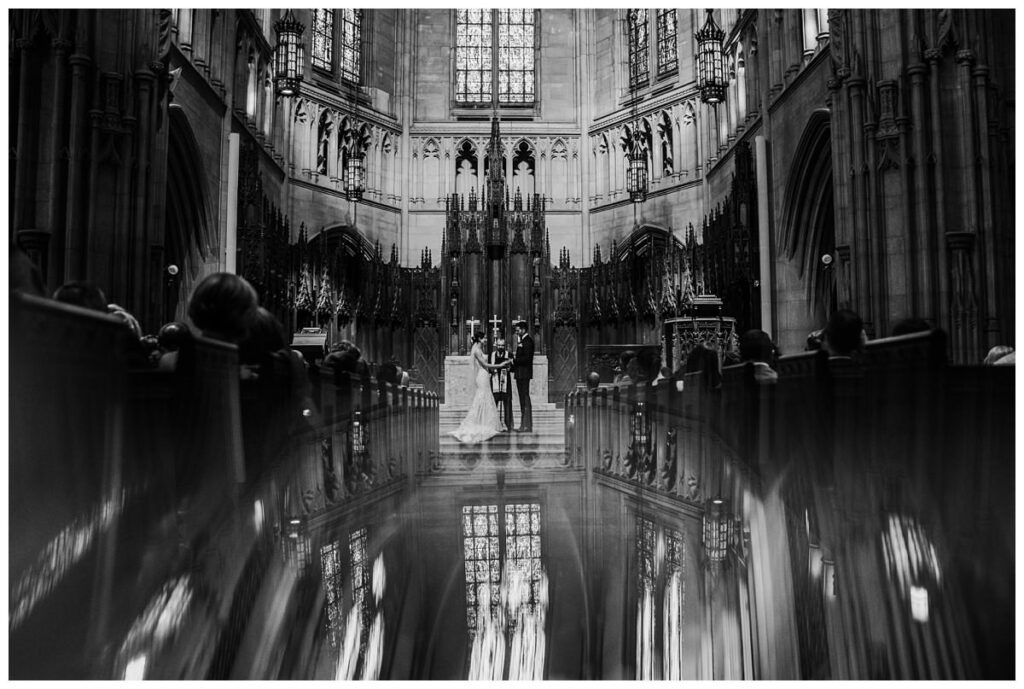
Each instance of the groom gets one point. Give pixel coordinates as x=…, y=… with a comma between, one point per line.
x=522, y=364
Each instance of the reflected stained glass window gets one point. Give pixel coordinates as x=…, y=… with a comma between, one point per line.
x=473, y=55
x=330, y=562
x=515, y=56
x=360, y=570
x=323, y=38
x=492, y=545
x=482, y=554
x=638, y=50
x=666, y=41
x=351, y=36
x=645, y=551
x=522, y=543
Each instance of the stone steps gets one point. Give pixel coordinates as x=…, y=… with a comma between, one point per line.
x=544, y=448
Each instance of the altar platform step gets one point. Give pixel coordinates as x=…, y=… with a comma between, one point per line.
x=543, y=449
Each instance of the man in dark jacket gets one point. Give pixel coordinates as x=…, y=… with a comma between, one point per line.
x=522, y=365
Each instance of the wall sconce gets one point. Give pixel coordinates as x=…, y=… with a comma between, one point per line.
x=288, y=58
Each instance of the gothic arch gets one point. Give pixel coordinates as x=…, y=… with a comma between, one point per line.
x=645, y=239
x=188, y=228
x=808, y=217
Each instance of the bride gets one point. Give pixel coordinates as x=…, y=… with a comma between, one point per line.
x=481, y=422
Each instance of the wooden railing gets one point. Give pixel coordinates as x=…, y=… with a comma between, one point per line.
x=125, y=484
x=896, y=439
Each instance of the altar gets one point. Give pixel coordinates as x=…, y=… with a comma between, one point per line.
x=459, y=386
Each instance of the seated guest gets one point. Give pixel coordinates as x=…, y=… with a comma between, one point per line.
x=1000, y=355
x=844, y=336
x=129, y=320
x=756, y=347
x=388, y=372
x=84, y=294
x=223, y=306
x=704, y=360
x=814, y=340
x=25, y=276
x=344, y=356
x=622, y=370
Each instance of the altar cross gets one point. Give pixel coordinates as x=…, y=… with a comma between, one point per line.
x=472, y=323
x=495, y=325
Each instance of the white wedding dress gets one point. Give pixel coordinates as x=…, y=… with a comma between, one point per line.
x=481, y=422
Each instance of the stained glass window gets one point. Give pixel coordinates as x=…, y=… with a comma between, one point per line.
x=479, y=35
x=330, y=562
x=666, y=41
x=638, y=51
x=360, y=570
x=473, y=56
x=323, y=38
x=482, y=553
x=351, y=35
x=515, y=56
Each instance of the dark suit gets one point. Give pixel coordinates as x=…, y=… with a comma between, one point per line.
x=522, y=365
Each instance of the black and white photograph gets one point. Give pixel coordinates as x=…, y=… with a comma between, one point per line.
x=478, y=344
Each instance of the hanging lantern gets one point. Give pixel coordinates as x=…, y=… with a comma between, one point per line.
x=636, y=175
x=354, y=176
x=710, y=74
x=718, y=531
x=289, y=55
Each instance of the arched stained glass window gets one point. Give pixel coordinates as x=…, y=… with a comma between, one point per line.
x=351, y=37
x=494, y=54
x=666, y=41
x=323, y=39
x=638, y=47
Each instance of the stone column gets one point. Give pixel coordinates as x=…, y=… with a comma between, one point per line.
x=58, y=173
x=25, y=144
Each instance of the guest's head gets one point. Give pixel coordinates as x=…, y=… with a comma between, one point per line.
x=173, y=335
x=343, y=356
x=704, y=360
x=129, y=320
x=844, y=335
x=265, y=336
x=223, y=306
x=755, y=345
x=911, y=325
x=999, y=355
x=84, y=294
x=593, y=380
x=814, y=340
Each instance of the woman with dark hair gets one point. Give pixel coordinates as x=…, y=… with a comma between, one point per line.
x=481, y=421
x=223, y=306
x=706, y=361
